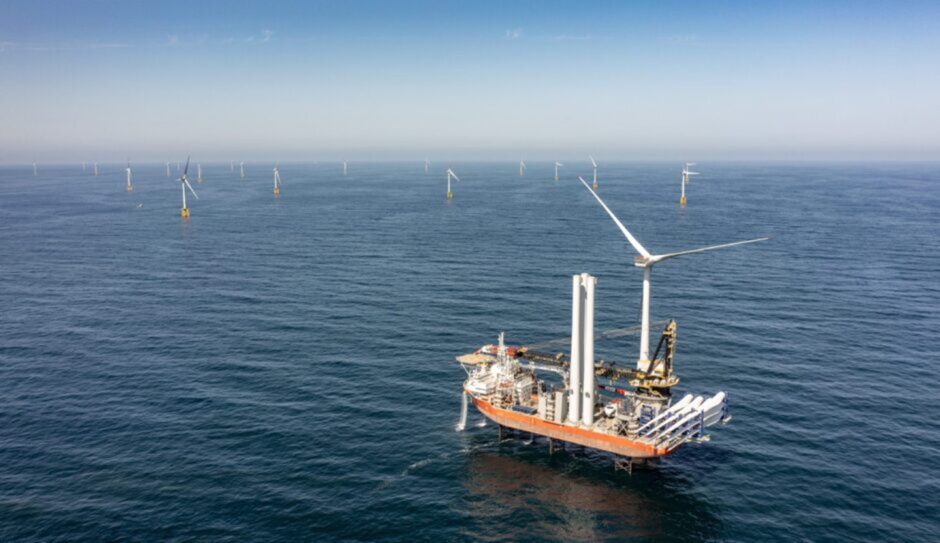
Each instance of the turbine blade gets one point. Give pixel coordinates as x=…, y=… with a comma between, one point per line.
x=592, y=161
x=636, y=244
x=659, y=258
x=187, y=167
x=190, y=187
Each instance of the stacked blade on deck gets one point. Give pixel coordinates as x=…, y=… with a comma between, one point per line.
x=686, y=420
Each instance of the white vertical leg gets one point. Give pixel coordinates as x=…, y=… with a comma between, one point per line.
x=574, y=369
x=587, y=357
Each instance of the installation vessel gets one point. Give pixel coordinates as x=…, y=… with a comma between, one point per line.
x=576, y=399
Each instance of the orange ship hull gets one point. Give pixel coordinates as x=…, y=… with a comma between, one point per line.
x=619, y=445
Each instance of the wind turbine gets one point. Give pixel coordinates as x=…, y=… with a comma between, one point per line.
x=427, y=164
x=593, y=162
x=277, y=181
x=232, y=166
x=34, y=169
x=83, y=166
x=96, y=169
x=521, y=168
x=685, y=179
x=344, y=168
x=646, y=261
x=450, y=173
x=199, y=173
x=130, y=188
x=168, y=168
x=241, y=166
x=184, y=184
x=557, y=165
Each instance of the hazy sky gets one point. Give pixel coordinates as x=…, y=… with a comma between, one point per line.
x=343, y=79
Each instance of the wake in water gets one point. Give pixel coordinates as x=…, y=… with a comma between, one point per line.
x=463, y=414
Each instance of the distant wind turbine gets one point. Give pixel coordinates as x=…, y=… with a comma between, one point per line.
x=595, y=171
x=557, y=165
x=199, y=173
x=241, y=166
x=686, y=174
x=130, y=188
x=277, y=181
x=96, y=169
x=168, y=168
x=344, y=168
x=184, y=185
x=450, y=173
x=232, y=166
x=34, y=169
x=522, y=168
x=427, y=164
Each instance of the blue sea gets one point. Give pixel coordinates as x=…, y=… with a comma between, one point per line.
x=283, y=368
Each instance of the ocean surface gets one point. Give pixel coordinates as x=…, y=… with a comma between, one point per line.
x=283, y=368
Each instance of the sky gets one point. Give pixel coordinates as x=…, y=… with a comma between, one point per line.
x=705, y=80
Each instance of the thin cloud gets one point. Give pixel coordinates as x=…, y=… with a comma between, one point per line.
x=514, y=34
x=264, y=37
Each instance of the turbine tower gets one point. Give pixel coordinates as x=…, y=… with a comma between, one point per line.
x=96, y=169
x=685, y=179
x=168, y=168
x=241, y=167
x=184, y=184
x=594, y=163
x=199, y=173
x=130, y=188
x=231, y=166
x=522, y=168
x=344, y=168
x=427, y=164
x=277, y=181
x=450, y=173
x=646, y=260
x=34, y=169
x=557, y=165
